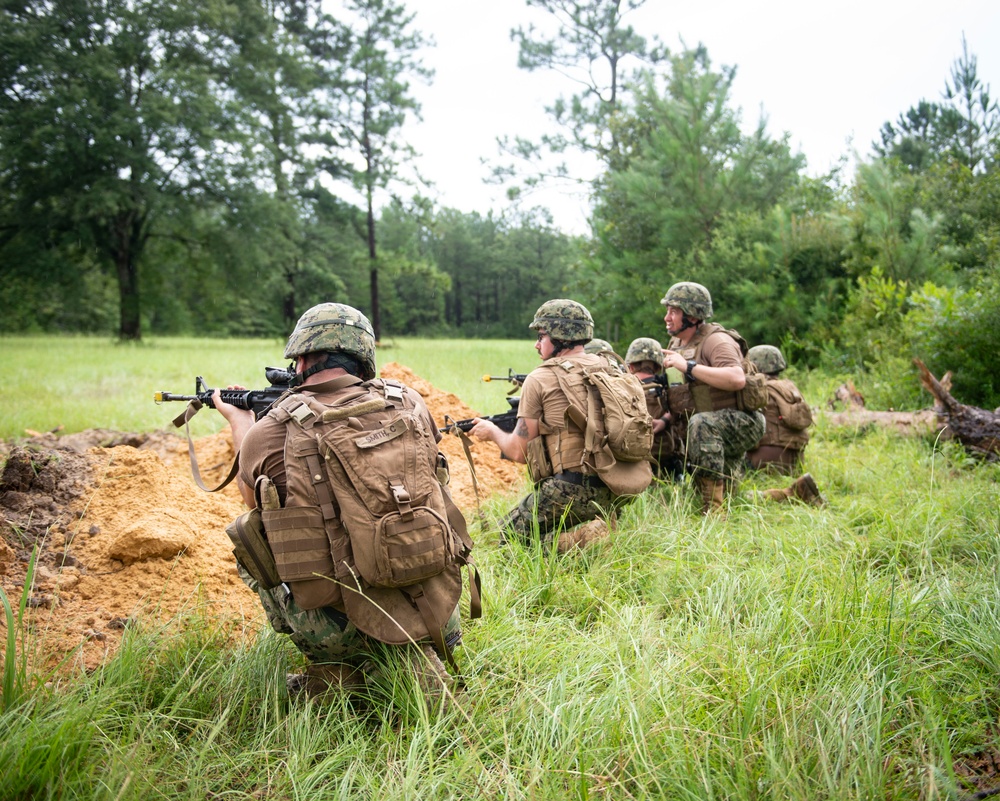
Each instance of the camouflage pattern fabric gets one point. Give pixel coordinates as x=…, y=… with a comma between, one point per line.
x=767, y=358
x=564, y=320
x=692, y=299
x=717, y=442
x=324, y=634
x=334, y=328
x=645, y=349
x=550, y=500
x=598, y=346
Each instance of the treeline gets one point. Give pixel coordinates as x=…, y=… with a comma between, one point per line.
x=217, y=167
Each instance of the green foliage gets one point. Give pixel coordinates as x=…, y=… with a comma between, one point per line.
x=14, y=685
x=684, y=169
x=962, y=129
x=594, y=46
x=501, y=270
x=959, y=331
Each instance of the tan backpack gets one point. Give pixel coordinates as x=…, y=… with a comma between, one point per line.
x=391, y=538
x=793, y=411
x=618, y=431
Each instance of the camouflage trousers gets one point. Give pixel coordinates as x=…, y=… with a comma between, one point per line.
x=717, y=442
x=324, y=634
x=553, y=501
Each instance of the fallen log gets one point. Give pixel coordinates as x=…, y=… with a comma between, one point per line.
x=977, y=429
x=924, y=422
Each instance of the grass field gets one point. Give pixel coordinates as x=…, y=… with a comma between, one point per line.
x=786, y=652
x=91, y=382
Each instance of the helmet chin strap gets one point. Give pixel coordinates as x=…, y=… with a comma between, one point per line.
x=688, y=323
x=332, y=360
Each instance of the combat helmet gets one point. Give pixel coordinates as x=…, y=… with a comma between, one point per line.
x=767, y=358
x=692, y=299
x=564, y=320
x=596, y=346
x=644, y=349
x=334, y=328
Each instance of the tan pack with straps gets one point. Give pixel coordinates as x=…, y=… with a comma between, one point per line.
x=365, y=509
x=618, y=431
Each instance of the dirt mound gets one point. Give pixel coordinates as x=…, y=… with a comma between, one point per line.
x=123, y=533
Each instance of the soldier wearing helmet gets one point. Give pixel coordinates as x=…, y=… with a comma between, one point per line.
x=644, y=360
x=602, y=347
x=333, y=353
x=711, y=360
x=565, y=490
x=788, y=416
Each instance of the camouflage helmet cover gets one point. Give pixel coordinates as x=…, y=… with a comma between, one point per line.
x=692, y=299
x=644, y=349
x=598, y=346
x=565, y=320
x=334, y=328
x=767, y=358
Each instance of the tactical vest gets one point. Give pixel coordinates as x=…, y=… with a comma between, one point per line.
x=565, y=445
x=700, y=397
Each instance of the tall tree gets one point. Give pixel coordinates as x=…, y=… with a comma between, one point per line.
x=382, y=58
x=684, y=165
x=964, y=127
x=591, y=48
x=980, y=113
x=112, y=112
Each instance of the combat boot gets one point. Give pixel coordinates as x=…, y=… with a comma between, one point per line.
x=432, y=676
x=712, y=495
x=582, y=535
x=319, y=680
x=804, y=488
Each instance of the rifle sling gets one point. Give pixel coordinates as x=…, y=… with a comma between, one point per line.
x=185, y=419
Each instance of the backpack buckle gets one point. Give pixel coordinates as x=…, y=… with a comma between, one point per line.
x=402, y=497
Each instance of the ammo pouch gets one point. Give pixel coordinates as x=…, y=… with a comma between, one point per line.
x=251, y=549
x=537, y=459
x=303, y=554
x=679, y=400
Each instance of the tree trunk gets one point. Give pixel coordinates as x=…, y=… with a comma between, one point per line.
x=977, y=429
x=123, y=240
x=373, y=273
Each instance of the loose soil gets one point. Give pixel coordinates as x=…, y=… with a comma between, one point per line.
x=124, y=534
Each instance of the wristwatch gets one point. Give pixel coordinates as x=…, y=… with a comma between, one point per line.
x=688, y=373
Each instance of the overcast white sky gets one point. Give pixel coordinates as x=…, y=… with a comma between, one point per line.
x=828, y=73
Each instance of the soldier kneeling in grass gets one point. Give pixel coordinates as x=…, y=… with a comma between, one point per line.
x=571, y=485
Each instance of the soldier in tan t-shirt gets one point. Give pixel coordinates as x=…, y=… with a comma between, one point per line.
x=719, y=434
x=334, y=351
x=564, y=490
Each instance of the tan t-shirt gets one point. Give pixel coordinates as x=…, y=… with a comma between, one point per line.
x=542, y=396
x=719, y=350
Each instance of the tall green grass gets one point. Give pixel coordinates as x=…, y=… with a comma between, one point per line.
x=847, y=652
x=92, y=382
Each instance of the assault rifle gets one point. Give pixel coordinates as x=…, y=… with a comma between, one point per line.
x=256, y=400
x=659, y=386
x=506, y=421
x=515, y=378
